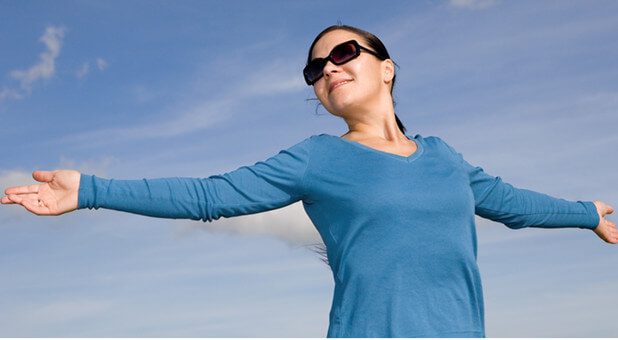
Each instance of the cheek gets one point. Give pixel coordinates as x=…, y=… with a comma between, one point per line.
x=319, y=89
x=322, y=94
x=316, y=88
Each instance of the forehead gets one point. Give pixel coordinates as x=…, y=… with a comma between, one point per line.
x=331, y=39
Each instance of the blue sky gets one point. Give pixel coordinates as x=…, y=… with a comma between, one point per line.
x=133, y=89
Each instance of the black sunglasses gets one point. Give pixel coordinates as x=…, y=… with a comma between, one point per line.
x=339, y=55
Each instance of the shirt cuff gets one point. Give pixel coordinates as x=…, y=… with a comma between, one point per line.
x=593, y=219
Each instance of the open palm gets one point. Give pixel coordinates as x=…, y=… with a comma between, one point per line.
x=57, y=193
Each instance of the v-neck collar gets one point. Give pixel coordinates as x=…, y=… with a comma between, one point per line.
x=414, y=156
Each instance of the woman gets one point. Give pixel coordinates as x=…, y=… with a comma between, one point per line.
x=396, y=213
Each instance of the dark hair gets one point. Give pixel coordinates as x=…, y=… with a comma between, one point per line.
x=373, y=43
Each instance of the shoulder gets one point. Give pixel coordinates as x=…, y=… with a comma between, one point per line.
x=432, y=142
x=437, y=147
x=311, y=142
x=313, y=145
x=319, y=143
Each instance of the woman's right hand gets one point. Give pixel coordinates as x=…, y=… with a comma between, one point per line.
x=606, y=230
x=56, y=195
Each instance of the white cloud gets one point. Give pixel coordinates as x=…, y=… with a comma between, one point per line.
x=43, y=317
x=45, y=68
x=289, y=224
x=473, y=4
x=8, y=93
x=83, y=71
x=578, y=307
x=12, y=178
x=67, y=311
x=143, y=94
x=196, y=117
x=101, y=64
x=273, y=79
x=202, y=114
x=91, y=166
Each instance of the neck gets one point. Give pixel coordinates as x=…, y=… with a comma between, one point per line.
x=374, y=124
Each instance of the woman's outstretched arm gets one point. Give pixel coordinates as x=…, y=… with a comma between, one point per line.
x=518, y=208
x=521, y=208
x=267, y=185
x=55, y=195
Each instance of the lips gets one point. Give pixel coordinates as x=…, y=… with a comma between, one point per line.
x=337, y=83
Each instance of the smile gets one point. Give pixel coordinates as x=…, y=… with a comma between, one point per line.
x=338, y=84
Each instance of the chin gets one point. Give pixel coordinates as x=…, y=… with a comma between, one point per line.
x=344, y=111
x=341, y=102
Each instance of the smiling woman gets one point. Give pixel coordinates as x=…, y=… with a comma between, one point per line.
x=396, y=213
x=346, y=52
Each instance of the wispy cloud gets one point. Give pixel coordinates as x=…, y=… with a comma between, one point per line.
x=274, y=78
x=200, y=116
x=8, y=93
x=101, y=64
x=289, y=224
x=83, y=71
x=92, y=166
x=473, y=4
x=9, y=178
x=45, y=68
x=143, y=94
x=12, y=178
x=67, y=311
x=44, y=316
x=202, y=113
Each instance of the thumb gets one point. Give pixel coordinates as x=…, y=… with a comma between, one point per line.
x=603, y=208
x=43, y=176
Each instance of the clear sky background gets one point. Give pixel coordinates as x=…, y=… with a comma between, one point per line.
x=131, y=89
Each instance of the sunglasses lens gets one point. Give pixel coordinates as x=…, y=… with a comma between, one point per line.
x=314, y=70
x=343, y=53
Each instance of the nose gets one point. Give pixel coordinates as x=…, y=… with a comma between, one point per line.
x=330, y=68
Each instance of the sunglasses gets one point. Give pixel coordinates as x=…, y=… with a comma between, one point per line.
x=339, y=55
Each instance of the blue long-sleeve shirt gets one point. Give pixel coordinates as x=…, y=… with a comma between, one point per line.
x=399, y=231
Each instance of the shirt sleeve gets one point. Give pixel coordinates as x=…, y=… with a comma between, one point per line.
x=266, y=185
x=520, y=208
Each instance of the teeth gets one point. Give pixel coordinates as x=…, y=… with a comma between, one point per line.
x=339, y=84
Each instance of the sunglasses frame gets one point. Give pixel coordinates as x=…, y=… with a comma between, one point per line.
x=323, y=61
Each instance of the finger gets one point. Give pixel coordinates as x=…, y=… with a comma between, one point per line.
x=6, y=200
x=15, y=198
x=606, y=209
x=43, y=176
x=29, y=197
x=612, y=236
x=33, y=199
x=36, y=208
x=26, y=189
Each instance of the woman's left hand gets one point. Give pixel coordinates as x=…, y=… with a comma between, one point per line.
x=606, y=230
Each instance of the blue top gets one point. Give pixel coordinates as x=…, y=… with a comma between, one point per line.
x=399, y=231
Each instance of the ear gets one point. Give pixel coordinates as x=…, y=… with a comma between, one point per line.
x=388, y=71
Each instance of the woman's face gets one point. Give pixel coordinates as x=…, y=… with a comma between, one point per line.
x=354, y=86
